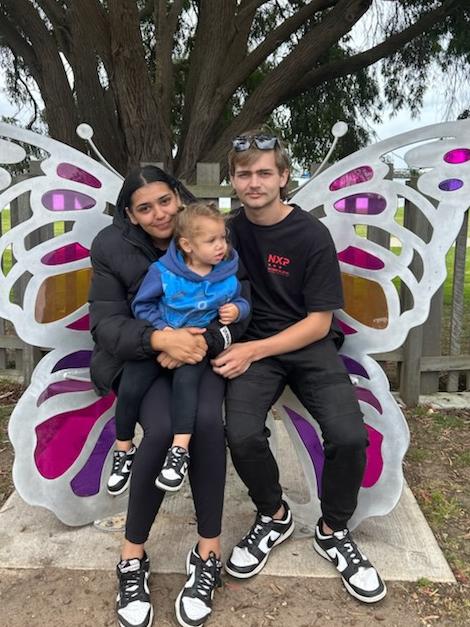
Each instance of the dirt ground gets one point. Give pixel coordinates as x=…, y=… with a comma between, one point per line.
x=438, y=470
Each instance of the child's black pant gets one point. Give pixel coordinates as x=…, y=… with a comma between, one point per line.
x=136, y=379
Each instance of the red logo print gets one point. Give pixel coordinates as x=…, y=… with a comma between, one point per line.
x=277, y=264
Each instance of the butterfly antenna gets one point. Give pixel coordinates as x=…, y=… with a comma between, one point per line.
x=338, y=130
x=85, y=131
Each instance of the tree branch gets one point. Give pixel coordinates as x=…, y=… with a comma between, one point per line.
x=280, y=34
x=54, y=12
x=278, y=84
x=364, y=59
x=17, y=42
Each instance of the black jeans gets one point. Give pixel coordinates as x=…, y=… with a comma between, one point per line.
x=136, y=379
x=207, y=464
x=317, y=376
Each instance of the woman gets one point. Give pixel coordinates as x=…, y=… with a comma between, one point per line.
x=121, y=254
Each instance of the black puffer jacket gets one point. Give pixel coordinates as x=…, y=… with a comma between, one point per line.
x=121, y=254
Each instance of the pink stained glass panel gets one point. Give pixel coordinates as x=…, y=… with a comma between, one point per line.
x=61, y=438
x=450, y=185
x=458, y=155
x=82, y=324
x=374, y=459
x=363, y=204
x=360, y=258
x=353, y=177
x=66, y=254
x=74, y=173
x=67, y=200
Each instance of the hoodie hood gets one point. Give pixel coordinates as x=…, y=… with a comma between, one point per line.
x=173, y=260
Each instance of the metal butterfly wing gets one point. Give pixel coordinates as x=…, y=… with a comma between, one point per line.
x=351, y=194
x=61, y=431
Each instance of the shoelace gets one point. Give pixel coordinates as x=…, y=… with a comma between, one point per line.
x=118, y=462
x=176, y=458
x=131, y=586
x=352, y=550
x=257, y=531
x=209, y=577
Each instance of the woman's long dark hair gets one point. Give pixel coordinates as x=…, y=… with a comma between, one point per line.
x=140, y=176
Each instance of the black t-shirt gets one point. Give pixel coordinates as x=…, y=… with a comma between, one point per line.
x=292, y=267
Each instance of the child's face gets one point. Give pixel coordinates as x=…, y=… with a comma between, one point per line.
x=208, y=245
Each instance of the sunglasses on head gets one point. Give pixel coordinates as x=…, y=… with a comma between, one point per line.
x=262, y=142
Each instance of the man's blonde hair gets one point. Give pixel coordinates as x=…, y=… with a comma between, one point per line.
x=249, y=156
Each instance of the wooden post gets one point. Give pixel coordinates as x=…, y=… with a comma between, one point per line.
x=458, y=288
x=3, y=352
x=410, y=368
x=20, y=210
x=207, y=173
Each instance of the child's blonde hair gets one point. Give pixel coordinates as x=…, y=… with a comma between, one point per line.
x=186, y=223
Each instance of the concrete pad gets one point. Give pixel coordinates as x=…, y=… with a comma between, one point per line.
x=401, y=544
x=446, y=400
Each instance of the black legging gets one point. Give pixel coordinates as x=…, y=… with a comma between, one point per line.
x=207, y=458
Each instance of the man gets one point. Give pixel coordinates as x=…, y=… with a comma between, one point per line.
x=291, y=262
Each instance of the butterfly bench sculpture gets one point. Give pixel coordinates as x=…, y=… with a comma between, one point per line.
x=63, y=433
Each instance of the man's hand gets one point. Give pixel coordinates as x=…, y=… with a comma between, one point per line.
x=234, y=361
x=185, y=346
x=228, y=313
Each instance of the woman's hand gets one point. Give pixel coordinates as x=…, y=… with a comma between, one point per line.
x=168, y=362
x=235, y=360
x=186, y=346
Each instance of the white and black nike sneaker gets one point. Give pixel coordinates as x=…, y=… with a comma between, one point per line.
x=194, y=603
x=359, y=576
x=121, y=471
x=174, y=469
x=133, y=605
x=251, y=554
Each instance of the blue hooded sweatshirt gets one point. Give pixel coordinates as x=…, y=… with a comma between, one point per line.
x=172, y=295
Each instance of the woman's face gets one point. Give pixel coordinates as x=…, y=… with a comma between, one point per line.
x=154, y=207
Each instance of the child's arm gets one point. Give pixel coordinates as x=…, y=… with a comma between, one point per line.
x=146, y=301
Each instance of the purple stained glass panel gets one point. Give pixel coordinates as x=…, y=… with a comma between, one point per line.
x=66, y=254
x=79, y=359
x=63, y=387
x=363, y=204
x=458, y=155
x=311, y=441
x=450, y=185
x=74, y=173
x=354, y=367
x=353, y=177
x=87, y=481
x=360, y=258
x=367, y=397
x=66, y=200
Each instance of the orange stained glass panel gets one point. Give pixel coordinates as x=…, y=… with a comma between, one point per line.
x=62, y=294
x=365, y=301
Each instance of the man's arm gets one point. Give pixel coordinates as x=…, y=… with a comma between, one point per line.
x=238, y=357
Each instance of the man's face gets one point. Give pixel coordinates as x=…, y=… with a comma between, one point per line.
x=258, y=185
